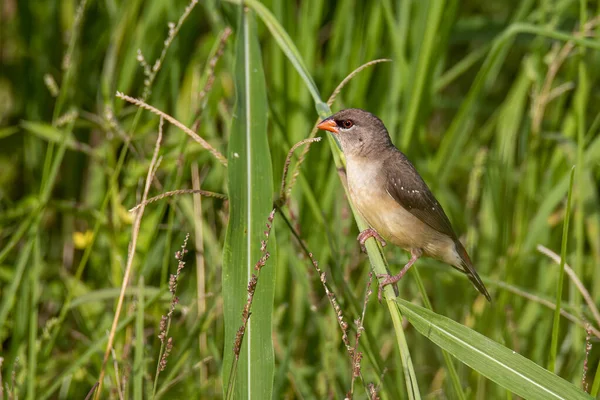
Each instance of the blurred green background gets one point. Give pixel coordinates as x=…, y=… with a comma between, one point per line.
x=494, y=102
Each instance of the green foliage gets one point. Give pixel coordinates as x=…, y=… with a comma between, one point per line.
x=494, y=102
x=250, y=183
x=500, y=364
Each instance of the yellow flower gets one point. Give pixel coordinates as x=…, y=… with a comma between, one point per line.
x=81, y=240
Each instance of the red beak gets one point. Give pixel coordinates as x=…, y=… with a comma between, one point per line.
x=328, y=125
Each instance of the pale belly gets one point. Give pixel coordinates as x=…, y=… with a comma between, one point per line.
x=392, y=221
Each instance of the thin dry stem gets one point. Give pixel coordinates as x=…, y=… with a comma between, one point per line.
x=584, y=293
x=588, y=349
x=239, y=336
x=200, y=268
x=191, y=133
x=12, y=392
x=560, y=90
x=352, y=74
x=1, y=384
x=334, y=303
x=168, y=385
x=210, y=77
x=110, y=123
x=127, y=346
x=131, y=253
x=66, y=61
x=546, y=303
x=151, y=72
x=116, y=367
x=357, y=355
x=373, y=395
x=288, y=160
x=92, y=390
x=176, y=193
x=166, y=343
x=323, y=278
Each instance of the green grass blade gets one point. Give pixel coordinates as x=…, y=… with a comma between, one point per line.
x=422, y=70
x=501, y=364
x=453, y=374
x=539, y=222
x=250, y=195
x=596, y=384
x=139, y=370
x=34, y=278
x=10, y=293
x=580, y=104
x=50, y=133
x=561, y=277
x=376, y=259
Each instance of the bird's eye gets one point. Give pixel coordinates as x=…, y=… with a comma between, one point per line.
x=347, y=124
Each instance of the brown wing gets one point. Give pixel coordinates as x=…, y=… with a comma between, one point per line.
x=406, y=187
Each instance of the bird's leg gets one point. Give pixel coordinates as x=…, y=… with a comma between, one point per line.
x=368, y=233
x=392, y=279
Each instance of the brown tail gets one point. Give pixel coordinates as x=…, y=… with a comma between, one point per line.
x=469, y=270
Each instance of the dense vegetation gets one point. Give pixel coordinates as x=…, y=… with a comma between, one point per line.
x=496, y=103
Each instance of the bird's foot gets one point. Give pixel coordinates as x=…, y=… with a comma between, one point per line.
x=369, y=233
x=387, y=279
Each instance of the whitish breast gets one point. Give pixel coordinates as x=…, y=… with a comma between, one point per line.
x=384, y=214
x=367, y=192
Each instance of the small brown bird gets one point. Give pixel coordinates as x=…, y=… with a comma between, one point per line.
x=393, y=199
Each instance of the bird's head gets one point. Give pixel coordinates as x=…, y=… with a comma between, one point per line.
x=359, y=132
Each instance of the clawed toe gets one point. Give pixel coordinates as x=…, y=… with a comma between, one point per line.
x=379, y=292
x=384, y=280
x=366, y=234
x=388, y=279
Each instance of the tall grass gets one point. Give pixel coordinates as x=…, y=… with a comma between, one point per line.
x=494, y=103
